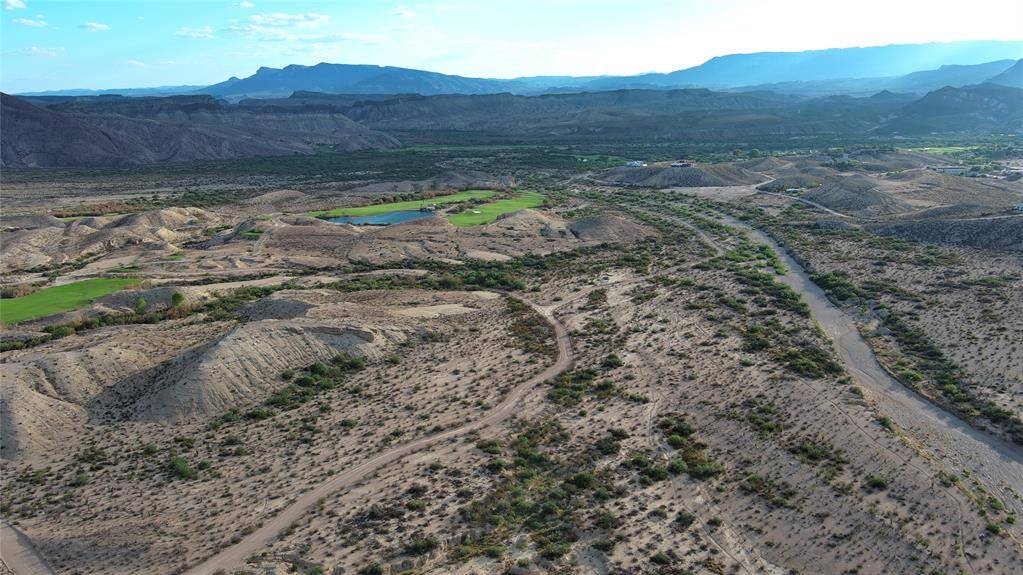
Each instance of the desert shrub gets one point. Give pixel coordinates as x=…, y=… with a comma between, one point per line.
x=612, y=361
x=706, y=470
x=491, y=446
x=371, y=569
x=258, y=413
x=837, y=285
x=179, y=468
x=421, y=545
x=660, y=559
x=684, y=519
x=876, y=482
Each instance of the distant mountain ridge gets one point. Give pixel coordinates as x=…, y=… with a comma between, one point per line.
x=736, y=70
x=118, y=130
x=1013, y=77
x=921, y=82
x=942, y=60
x=917, y=68
x=351, y=78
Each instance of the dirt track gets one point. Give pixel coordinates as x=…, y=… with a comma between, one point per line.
x=18, y=554
x=946, y=437
x=235, y=555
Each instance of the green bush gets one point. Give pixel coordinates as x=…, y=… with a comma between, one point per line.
x=876, y=482
x=421, y=545
x=179, y=468
x=372, y=569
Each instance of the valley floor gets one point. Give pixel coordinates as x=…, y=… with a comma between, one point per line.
x=618, y=380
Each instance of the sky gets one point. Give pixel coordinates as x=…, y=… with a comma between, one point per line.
x=49, y=45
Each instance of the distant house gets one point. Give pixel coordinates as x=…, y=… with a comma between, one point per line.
x=954, y=170
x=1019, y=207
x=681, y=164
x=636, y=164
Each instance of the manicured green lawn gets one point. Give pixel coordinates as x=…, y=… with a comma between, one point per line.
x=400, y=206
x=59, y=298
x=943, y=150
x=489, y=212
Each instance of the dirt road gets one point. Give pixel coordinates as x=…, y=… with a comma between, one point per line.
x=18, y=554
x=235, y=555
x=952, y=441
x=804, y=201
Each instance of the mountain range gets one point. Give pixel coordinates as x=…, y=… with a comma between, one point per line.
x=119, y=130
x=302, y=109
x=916, y=68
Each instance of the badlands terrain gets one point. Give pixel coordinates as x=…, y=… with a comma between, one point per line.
x=785, y=363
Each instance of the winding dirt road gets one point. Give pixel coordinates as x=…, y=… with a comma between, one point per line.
x=804, y=201
x=18, y=554
x=235, y=555
x=952, y=441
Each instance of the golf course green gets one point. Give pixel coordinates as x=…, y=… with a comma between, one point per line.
x=59, y=298
x=489, y=212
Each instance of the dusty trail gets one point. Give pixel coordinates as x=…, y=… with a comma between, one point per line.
x=952, y=441
x=18, y=554
x=948, y=439
x=810, y=203
x=262, y=537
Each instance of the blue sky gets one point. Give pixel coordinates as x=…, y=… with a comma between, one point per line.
x=49, y=45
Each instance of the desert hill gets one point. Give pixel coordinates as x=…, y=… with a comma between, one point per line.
x=40, y=242
x=967, y=109
x=855, y=194
x=104, y=132
x=1012, y=77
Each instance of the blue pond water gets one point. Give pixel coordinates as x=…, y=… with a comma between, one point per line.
x=381, y=219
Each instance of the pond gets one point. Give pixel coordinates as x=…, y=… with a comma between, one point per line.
x=382, y=219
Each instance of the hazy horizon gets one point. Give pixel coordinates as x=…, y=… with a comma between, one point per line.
x=107, y=45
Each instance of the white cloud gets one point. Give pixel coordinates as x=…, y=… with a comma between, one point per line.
x=95, y=27
x=200, y=32
x=135, y=63
x=14, y=4
x=37, y=51
x=281, y=26
x=402, y=11
x=246, y=4
x=29, y=22
x=282, y=19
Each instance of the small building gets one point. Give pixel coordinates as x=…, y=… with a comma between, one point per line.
x=636, y=164
x=681, y=164
x=954, y=170
x=1019, y=207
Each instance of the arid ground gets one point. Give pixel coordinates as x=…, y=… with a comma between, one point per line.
x=784, y=364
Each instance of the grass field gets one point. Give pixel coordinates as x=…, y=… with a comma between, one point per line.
x=59, y=298
x=943, y=150
x=489, y=212
x=377, y=209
